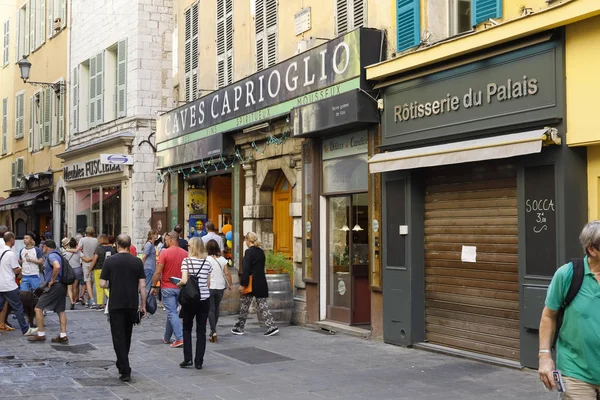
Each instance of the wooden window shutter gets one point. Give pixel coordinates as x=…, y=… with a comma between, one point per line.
x=47, y=132
x=63, y=13
x=32, y=25
x=100, y=88
x=75, y=100
x=271, y=14
x=484, y=10
x=224, y=42
x=13, y=166
x=260, y=33
x=122, y=78
x=359, y=14
x=341, y=17
x=4, y=126
x=62, y=100
x=195, y=49
x=50, y=24
x=31, y=122
x=19, y=116
x=6, y=44
x=408, y=24
x=19, y=20
x=92, y=92
x=40, y=124
x=42, y=20
x=188, y=54
x=20, y=172
x=24, y=31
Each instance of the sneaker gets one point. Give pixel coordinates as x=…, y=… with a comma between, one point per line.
x=31, y=332
x=125, y=378
x=176, y=344
x=37, y=338
x=6, y=328
x=59, y=339
x=166, y=341
x=237, y=331
x=272, y=331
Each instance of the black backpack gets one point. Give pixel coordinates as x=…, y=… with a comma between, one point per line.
x=67, y=273
x=576, y=282
x=190, y=292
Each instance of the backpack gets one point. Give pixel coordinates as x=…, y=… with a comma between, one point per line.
x=190, y=292
x=67, y=276
x=576, y=282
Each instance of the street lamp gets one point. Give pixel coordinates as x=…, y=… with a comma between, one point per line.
x=25, y=67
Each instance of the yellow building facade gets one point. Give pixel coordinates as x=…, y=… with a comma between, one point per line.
x=33, y=115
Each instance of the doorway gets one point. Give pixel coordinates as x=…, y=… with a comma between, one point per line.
x=282, y=221
x=348, y=293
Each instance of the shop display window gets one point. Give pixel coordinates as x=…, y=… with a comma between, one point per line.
x=100, y=208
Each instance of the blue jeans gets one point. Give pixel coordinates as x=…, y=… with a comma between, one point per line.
x=14, y=300
x=30, y=282
x=173, y=325
x=149, y=275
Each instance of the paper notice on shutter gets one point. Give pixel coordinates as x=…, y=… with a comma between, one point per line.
x=469, y=254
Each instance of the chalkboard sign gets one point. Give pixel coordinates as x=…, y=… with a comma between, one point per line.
x=540, y=220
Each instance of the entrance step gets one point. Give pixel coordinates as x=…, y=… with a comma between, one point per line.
x=336, y=327
x=467, y=354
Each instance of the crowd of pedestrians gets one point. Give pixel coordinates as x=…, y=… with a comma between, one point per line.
x=109, y=272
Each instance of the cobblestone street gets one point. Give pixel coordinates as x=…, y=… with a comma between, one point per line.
x=299, y=363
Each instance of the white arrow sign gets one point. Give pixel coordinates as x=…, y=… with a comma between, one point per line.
x=123, y=159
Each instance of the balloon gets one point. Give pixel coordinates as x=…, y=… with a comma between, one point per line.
x=229, y=235
x=229, y=244
x=226, y=228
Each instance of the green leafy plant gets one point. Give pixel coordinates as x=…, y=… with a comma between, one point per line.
x=278, y=263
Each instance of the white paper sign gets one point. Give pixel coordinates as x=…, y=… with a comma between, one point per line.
x=469, y=254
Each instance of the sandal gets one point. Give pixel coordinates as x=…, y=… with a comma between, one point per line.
x=213, y=337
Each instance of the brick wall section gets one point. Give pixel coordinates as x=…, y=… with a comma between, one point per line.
x=147, y=26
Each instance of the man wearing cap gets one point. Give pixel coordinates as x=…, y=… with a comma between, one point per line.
x=169, y=266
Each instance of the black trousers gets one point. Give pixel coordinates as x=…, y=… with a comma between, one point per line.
x=199, y=311
x=216, y=295
x=121, y=327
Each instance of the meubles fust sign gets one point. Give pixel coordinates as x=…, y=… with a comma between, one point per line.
x=333, y=62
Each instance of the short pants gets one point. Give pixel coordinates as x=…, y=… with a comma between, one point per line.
x=78, y=274
x=54, y=299
x=86, y=270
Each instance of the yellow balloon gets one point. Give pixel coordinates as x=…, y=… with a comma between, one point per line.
x=229, y=244
x=226, y=228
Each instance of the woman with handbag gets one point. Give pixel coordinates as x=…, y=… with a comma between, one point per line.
x=254, y=284
x=195, y=301
x=220, y=278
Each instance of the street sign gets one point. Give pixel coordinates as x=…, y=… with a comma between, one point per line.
x=122, y=159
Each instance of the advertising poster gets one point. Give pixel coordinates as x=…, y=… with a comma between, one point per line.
x=197, y=202
x=197, y=225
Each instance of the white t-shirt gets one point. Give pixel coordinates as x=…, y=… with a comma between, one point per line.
x=88, y=247
x=29, y=267
x=214, y=236
x=217, y=276
x=8, y=264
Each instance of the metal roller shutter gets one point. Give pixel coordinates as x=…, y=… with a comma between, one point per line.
x=472, y=306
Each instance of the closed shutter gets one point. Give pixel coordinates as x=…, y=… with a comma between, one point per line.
x=265, y=21
x=20, y=116
x=349, y=15
x=92, y=92
x=484, y=10
x=100, y=88
x=47, y=132
x=24, y=46
x=63, y=13
x=31, y=7
x=50, y=24
x=341, y=17
x=408, y=24
x=122, y=78
x=20, y=21
x=62, y=99
x=42, y=21
x=4, y=126
x=13, y=174
x=75, y=100
x=259, y=31
x=224, y=42
x=472, y=306
x=40, y=125
x=6, y=42
x=31, y=122
x=191, y=53
x=20, y=183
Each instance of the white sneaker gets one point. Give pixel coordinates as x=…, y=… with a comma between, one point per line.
x=31, y=332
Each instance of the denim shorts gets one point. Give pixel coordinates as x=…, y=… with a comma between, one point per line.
x=78, y=274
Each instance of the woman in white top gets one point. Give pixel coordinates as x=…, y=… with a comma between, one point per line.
x=220, y=278
x=195, y=265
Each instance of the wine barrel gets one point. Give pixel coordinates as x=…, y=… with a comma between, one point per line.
x=231, y=298
x=281, y=298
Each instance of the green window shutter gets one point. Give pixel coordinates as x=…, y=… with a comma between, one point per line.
x=99, y=88
x=4, y=126
x=40, y=123
x=31, y=122
x=408, y=24
x=484, y=10
x=62, y=99
x=122, y=79
x=75, y=100
x=92, y=92
x=20, y=172
x=13, y=166
x=47, y=132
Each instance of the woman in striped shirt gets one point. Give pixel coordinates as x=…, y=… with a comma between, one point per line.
x=195, y=265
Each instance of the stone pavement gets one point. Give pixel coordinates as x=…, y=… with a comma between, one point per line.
x=299, y=363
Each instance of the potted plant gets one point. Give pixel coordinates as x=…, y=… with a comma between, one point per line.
x=280, y=275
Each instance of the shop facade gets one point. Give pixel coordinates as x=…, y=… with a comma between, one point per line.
x=254, y=151
x=481, y=199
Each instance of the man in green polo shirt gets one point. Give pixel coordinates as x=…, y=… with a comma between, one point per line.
x=578, y=346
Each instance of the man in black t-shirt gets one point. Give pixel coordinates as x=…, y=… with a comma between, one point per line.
x=124, y=275
x=182, y=242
